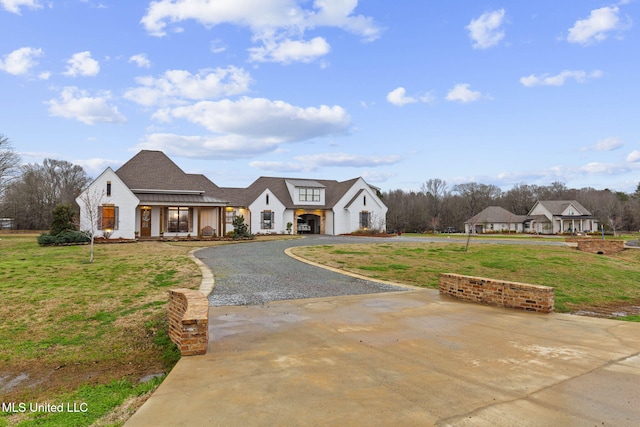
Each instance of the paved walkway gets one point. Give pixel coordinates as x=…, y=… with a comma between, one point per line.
x=402, y=358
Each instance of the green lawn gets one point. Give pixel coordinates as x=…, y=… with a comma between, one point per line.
x=80, y=332
x=581, y=280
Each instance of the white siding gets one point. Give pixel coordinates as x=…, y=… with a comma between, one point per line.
x=347, y=219
x=274, y=205
x=121, y=197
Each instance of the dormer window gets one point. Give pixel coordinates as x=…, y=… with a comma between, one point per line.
x=108, y=188
x=309, y=194
x=364, y=200
x=266, y=200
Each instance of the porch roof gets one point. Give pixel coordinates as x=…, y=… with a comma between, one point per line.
x=179, y=199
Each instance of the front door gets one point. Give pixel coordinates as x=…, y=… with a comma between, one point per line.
x=145, y=221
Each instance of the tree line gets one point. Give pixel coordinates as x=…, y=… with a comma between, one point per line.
x=437, y=206
x=29, y=193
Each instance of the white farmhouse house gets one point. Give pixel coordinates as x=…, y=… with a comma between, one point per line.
x=560, y=216
x=150, y=196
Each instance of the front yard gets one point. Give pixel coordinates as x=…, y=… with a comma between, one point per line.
x=583, y=282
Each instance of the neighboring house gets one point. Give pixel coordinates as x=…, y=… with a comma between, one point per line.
x=560, y=216
x=151, y=196
x=495, y=219
x=546, y=217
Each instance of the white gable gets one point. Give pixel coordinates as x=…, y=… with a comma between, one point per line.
x=306, y=192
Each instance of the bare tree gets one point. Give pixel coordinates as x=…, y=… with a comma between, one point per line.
x=9, y=161
x=436, y=193
x=91, y=200
x=520, y=198
x=477, y=196
x=33, y=195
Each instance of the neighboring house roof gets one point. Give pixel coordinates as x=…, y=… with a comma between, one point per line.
x=334, y=191
x=557, y=207
x=496, y=214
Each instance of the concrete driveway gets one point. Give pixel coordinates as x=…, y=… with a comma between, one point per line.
x=402, y=358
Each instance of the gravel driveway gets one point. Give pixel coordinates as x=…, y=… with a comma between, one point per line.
x=259, y=272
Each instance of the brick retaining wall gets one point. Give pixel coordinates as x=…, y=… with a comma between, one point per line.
x=189, y=321
x=499, y=293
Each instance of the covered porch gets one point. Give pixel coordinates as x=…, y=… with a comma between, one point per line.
x=180, y=217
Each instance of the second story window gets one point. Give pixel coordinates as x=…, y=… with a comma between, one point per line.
x=309, y=194
x=108, y=188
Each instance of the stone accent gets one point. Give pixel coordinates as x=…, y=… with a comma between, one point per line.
x=521, y=296
x=189, y=321
x=599, y=246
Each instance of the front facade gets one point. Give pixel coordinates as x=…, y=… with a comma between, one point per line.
x=150, y=196
x=495, y=219
x=560, y=216
x=302, y=206
x=545, y=217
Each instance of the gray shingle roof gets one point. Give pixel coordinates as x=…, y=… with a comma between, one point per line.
x=556, y=207
x=157, y=179
x=496, y=214
x=334, y=191
x=153, y=170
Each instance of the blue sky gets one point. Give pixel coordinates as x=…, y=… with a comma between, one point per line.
x=397, y=92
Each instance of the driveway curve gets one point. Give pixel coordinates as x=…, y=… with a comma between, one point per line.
x=259, y=272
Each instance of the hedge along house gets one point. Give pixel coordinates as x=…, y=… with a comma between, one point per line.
x=150, y=196
x=270, y=204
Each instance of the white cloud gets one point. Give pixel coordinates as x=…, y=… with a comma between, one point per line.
x=598, y=168
x=246, y=127
x=608, y=144
x=15, y=5
x=486, y=31
x=20, y=61
x=313, y=162
x=140, y=60
x=462, y=93
x=217, y=46
x=274, y=23
x=207, y=147
x=377, y=176
x=597, y=26
x=176, y=86
x=81, y=64
x=95, y=166
x=287, y=51
x=634, y=156
x=77, y=104
x=559, y=79
x=265, y=119
x=399, y=97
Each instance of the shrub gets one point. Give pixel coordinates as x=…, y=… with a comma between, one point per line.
x=64, y=238
x=240, y=229
x=63, y=219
